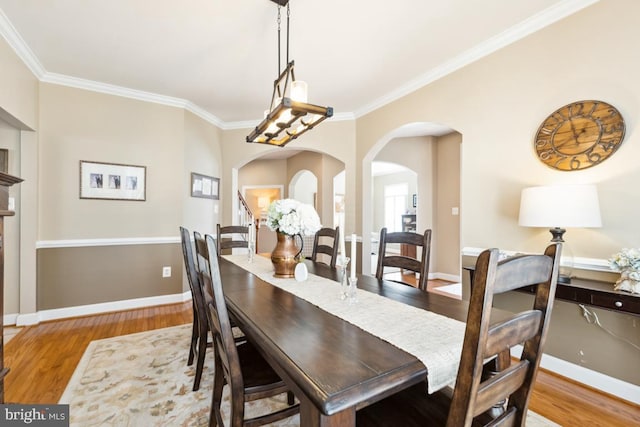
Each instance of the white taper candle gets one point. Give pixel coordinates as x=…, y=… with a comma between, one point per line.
x=353, y=256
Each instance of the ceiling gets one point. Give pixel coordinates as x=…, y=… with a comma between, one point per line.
x=218, y=58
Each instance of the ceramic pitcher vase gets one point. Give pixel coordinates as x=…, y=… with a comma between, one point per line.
x=285, y=255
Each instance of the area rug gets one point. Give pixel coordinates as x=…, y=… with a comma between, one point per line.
x=143, y=380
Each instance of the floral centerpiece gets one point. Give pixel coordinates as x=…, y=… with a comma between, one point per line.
x=627, y=262
x=290, y=218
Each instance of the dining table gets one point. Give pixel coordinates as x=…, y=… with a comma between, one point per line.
x=333, y=366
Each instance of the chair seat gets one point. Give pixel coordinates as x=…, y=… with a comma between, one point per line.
x=257, y=375
x=412, y=407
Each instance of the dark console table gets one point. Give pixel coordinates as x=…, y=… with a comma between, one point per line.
x=591, y=292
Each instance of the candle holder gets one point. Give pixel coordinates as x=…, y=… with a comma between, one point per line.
x=352, y=295
x=341, y=266
x=250, y=252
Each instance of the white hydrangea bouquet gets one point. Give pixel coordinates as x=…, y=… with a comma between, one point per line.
x=627, y=262
x=292, y=217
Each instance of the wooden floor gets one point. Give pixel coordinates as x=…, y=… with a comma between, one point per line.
x=43, y=357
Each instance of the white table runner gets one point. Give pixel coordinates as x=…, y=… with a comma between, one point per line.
x=434, y=339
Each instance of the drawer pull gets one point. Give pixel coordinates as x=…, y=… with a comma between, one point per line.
x=618, y=304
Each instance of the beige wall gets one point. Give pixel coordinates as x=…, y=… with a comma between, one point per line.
x=445, y=253
x=202, y=154
x=335, y=138
x=498, y=103
x=18, y=91
x=10, y=140
x=19, y=107
x=81, y=125
x=171, y=143
x=324, y=167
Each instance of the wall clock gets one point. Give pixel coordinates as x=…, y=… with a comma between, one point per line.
x=579, y=135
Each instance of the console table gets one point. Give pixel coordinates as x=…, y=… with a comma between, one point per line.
x=590, y=292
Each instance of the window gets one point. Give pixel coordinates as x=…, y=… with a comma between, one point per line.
x=395, y=204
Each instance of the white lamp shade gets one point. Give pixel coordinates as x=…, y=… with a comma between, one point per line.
x=565, y=206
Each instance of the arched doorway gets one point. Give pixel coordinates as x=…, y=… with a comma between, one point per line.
x=433, y=152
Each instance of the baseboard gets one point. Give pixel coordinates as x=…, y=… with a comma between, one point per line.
x=622, y=389
x=85, y=310
x=445, y=276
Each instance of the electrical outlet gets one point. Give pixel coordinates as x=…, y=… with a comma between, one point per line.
x=166, y=271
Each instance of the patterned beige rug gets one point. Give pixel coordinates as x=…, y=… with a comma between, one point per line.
x=143, y=380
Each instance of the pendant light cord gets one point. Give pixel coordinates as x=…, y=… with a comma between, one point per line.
x=288, y=14
x=279, y=43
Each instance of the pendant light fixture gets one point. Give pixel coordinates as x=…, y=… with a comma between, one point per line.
x=289, y=115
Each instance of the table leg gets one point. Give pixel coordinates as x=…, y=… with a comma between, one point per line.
x=310, y=416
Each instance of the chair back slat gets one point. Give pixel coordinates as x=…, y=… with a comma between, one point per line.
x=521, y=271
x=231, y=236
x=500, y=386
x=516, y=330
x=507, y=419
x=321, y=244
x=474, y=392
x=420, y=266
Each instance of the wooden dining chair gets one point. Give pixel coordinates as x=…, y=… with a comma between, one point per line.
x=241, y=366
x=231, y=236
x=200, y=327
x=321, y=246
x=475, y=394
x=405, y=262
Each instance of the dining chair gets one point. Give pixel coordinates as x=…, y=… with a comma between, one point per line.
x=405, y=262
x=240, y=366
x=231, y=236
x=475, y=393
x=321, y=246
x=200, y=327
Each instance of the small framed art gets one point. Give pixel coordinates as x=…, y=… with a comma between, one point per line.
x=206, y=187
x=112, y=181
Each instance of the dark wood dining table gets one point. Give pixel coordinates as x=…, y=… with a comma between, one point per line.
x=333, y=367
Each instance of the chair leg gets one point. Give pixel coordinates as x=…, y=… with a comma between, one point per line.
x=291, y=399
x=215, y=417
x=202, y=351
x=194, y=340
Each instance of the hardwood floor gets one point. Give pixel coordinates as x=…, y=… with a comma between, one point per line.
x=43, y=357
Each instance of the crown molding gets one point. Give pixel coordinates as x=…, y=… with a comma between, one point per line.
x=109, y=89
x=20, y=47
x=531, y=25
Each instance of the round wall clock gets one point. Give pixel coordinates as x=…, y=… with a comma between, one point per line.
x=579, y=135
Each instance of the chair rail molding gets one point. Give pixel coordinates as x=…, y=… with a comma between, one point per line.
x=592, y=264
x=119, y=241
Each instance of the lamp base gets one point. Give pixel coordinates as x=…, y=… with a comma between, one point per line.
x=564, y=279
x=557, y=233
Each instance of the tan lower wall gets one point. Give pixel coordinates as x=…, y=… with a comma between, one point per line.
x=69, y=277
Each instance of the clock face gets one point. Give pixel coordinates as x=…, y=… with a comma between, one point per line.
x=579, y=135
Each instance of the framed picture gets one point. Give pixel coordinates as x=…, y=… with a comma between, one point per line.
x=205, y=186
x=415, y=200
x=112, y=181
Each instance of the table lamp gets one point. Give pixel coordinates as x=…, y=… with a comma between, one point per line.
x=560, y=207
